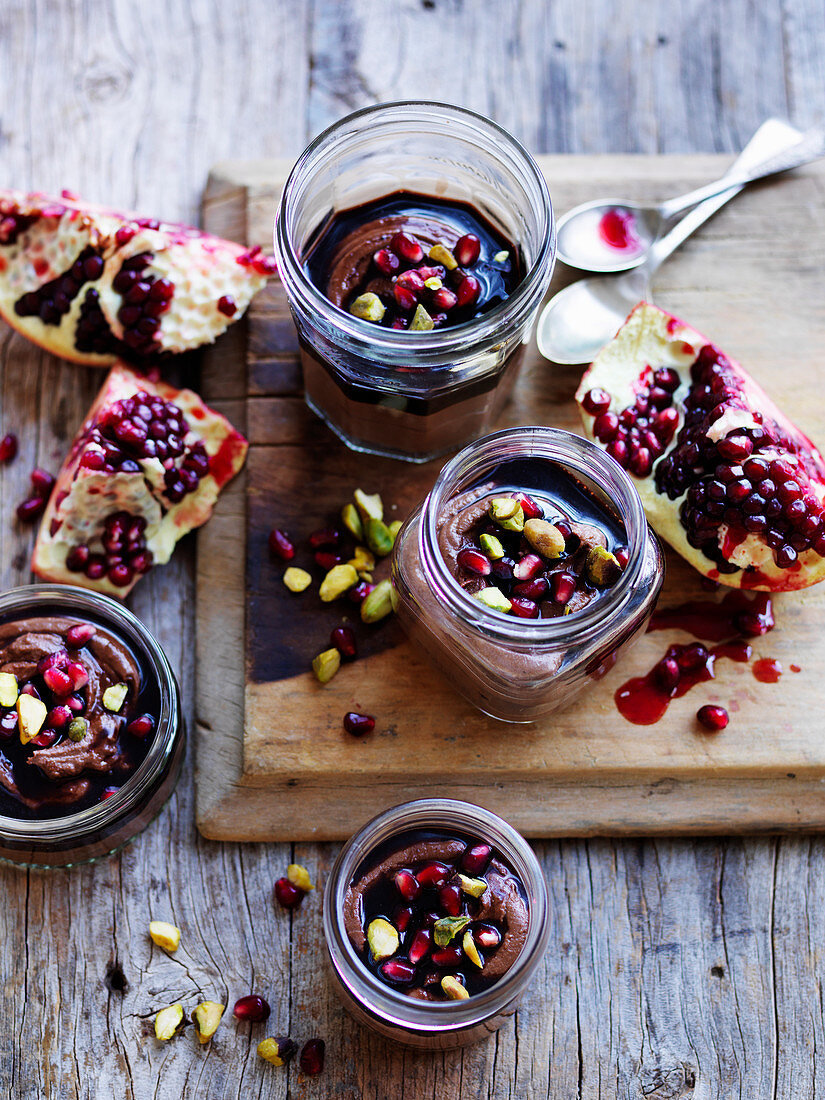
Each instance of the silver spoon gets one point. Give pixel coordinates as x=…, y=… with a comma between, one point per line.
x=578, y=321
x=634, y=226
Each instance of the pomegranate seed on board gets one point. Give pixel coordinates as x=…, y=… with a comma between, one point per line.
x=311, y=1059
x=8, y=448
x=252, y=1008
x=287, y=894
x=713, y=718
x=342, y=638
x=358, y=724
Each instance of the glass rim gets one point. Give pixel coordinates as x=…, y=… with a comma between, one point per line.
x=57, y=830
x=391, y=1005
x=566, y=449
x=444, y=343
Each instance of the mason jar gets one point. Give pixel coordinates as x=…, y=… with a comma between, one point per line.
x=513, y=669
x=434, y=1025
x=413, y=395
x=96, y=830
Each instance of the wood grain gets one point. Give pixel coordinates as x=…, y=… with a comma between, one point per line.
x=677, y=968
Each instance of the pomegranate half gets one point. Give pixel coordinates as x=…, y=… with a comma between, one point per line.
x=94, y=285
x=145, y=468
x=724, y=476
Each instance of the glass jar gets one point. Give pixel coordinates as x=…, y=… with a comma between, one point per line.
x=101, y=828
x=413, y=395
x=434, y=1025
x=519, y=670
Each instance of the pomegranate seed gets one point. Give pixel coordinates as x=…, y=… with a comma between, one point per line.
x=95, y=567
x=30, y=689
x=487, y=936
x=120, y=575
x=618, y=451
x=141, y=726
x=444, y=299
x=606, y=427
x=42, y=481
x=641, y=462
x=475, y=859
x=474, y=562
x=693, y=656
x=311, y=1060
x=447, y=956
x=523, y=609
x=502, y=569
x=667, y=674
x=407, y=247
x=342, y=638
x=287, y=894
x=467, y=249
x=358, y=724
x=387, y=262
x=327, y=536
x=405, y=298
x=8, y=448
x=252, y=1008
x=44, y=739
x=420, y=945
x=402, y=919
x=398, y=970
x=735, y=447
x=77, y=636
x=77, y=674
x=359, y=592
x=666, y=378
x=280, y=545
x=74, y=703
x=411, y=280
x=596, y=401
x=450, y=898
x=227, y=305
x=531, y=509
x=713, y=718
x=527, y=567
x=58, y=659
x=467, y=291
x=785, y=557
x=327, y=559
x=57, y=681
x=109, y=792
x=665, y=424
x=562, y=587
x=58, y=717
x=31, y=509
x=407, y=884
x=8, y=725
x=433, y=874
x=531, y=590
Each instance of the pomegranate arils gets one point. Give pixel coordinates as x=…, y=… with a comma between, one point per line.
x=386, y=261
x=342, y=638
x=31, y=509
x=713, y=718
x=562, y=587
x=311, y=1059
x=692, y=656
x=445, y=299
x=522, y=608
x=108, y=793
x=450, y=898
x=141, y=726
x=226, y=305
x=327, y=559
x=475, y=858
x=398, y=970
x=527, y=567
x=287, y=894
x=280, y=545
x=407, y=884
x=487, y=936
x=467, y=249
x=57, y=681
x=405, y=297
x=467, y=291
x=596, y=401
x=44, y=739
x=473, y=561
x=420, y=945
x=447, y=956
x=51, y=301
x=407, y=247
x=668, y=674
x=8, y=448
x=58, y=717
x=531, y=590
x=606, y=427
x=358, y=724
x=79, y=635
x=327, y=536
x=252, y=1008
x=402, y=919
x=433, y=874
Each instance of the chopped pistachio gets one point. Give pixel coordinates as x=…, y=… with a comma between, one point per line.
x=378, y=604
x=394, y=528
x=368, y=307
x=297, y=580
x=495, y=599
x=278, y=1050
x=352, y=521
x=8, y=689
x=379, y=539
x=362, y=559
x=366, y=576
x=115, y=696
x=78, y=728
x=168, y=1022
x=422, y=321
x=601, y=567
x=501, y=257
x=299, y=876
x=491, y=546
x=338, y=581
x=507, y=513
x=369, y=506
x=326, y=664
x=31, y=714
x=545, y=538
x=471, y=951
x=433, y=283
x=165, y=935
x=453, y=988
x=475, y=887
x=441, y=255
x=206, y=1018
x=382, y=938
x=445, y=928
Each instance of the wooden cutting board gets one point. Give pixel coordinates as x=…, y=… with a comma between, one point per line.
x=273, y=761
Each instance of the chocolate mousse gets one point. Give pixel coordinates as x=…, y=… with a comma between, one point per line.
x=76, y=715
x=437, y=916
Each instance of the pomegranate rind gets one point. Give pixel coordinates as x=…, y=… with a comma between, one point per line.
x=204, y=270
x=83, y=498
x=650, y=337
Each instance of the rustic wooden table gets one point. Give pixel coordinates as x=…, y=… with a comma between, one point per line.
x=689, y=968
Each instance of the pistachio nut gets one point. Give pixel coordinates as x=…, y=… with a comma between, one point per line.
x=382, y=938
x=277, y=1050
x=78, y=728
x=326, y=664
x=369, y=506
x=507, y=513
x=378, y=604
x=299, y=876
x=352, y=521
x=491, y=546
x=338, y=581
x=206, y=1018
x=379, y=538
x=168, y=1022
x=368, y=307
x=115, y=696
x=422, y=321
x=601, y=567
x=433, y=283
x=471, y=951
x=545, y=538
x=453, y=988
x=165, y=935
x=31, y=714
x=441, y=255
x=445, y=928
x=475, y=887
x=297, y=580
x=362, y=560
x=495, y=599
x=501, y=257
x=8, y=689
x=394, y=528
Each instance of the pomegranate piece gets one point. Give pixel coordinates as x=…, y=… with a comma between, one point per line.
x=420, y=945
x=450, y=898
x=77, y=636
x=93, y=284
x=8, y=448
x=342, y=638
x=398, y=970
x=474, y=562
x=734, y=486
x=358, y=724
x=407, y=884
x=433, y=874
x=287, y=894
x=145, y=468
x=141, y=726
x=487, y=936
x=280, y=545
x=311, y=1059
x=327, y=536
x=467, y=249
x=252, y=1008
x=712, y=718
x=447, y=956
x=407, y=247
x=475, y=859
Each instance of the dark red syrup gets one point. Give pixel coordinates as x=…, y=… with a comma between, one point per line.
x=617, y=228
x=767, y=670
x=736, y=613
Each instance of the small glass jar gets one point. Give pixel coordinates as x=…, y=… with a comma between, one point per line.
x=433, y=1025
x=413, y=395
x=519, y=670
x=101, y=828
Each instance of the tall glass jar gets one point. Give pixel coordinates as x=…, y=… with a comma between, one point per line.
x=434, y=1025
x=519, y=670
x=413, y=395
x=103, y=827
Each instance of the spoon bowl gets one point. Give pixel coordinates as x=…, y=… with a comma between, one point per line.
x=579, y=320
x=607, y=235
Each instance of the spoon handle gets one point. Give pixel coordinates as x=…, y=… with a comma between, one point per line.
x=810, y=147
x=773, y=140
